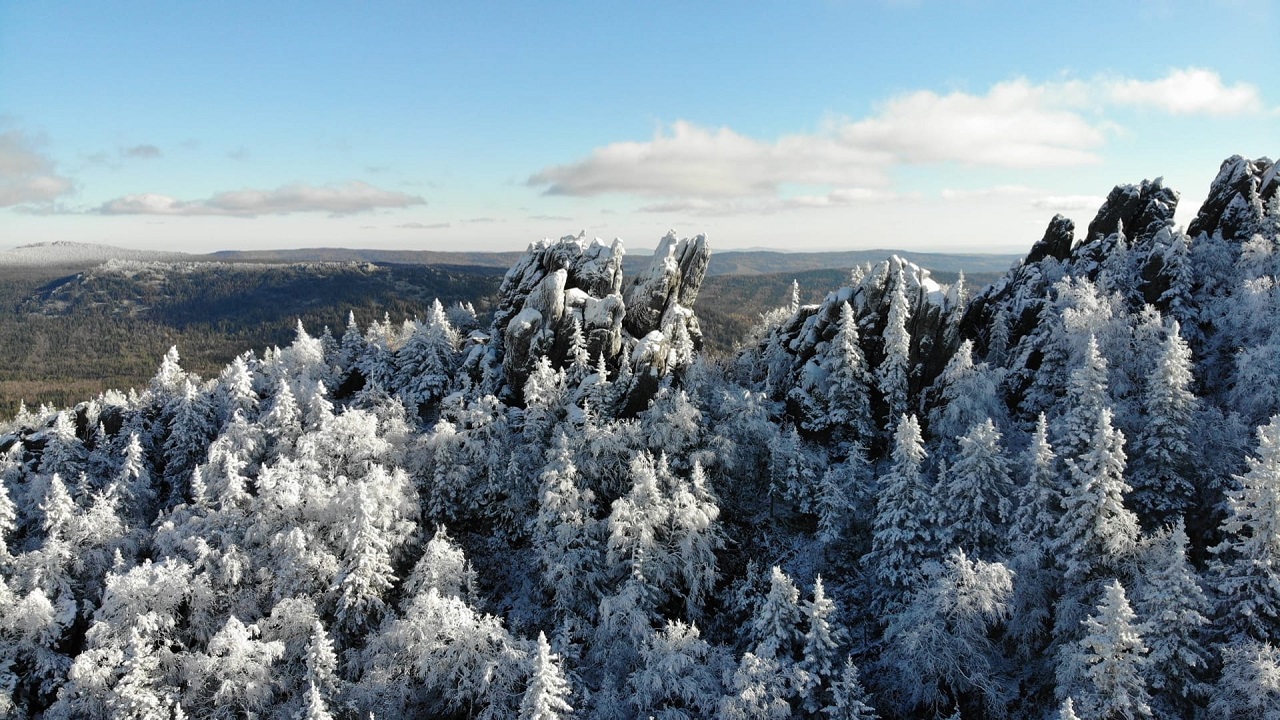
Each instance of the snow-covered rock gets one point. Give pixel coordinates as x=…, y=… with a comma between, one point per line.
x=560, y=285
x=1236, y=198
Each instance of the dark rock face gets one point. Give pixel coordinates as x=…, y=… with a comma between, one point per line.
x=559, y=285
x=1236, y=198
x=808, y=332
x=1056, y=243
x=554, y=285
x=668, y=288
x=1142, y=210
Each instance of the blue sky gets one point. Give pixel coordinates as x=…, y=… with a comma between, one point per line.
x=956, y=126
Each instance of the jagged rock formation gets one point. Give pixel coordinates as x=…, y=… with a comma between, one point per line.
x=801, y=339
x=1237, y=198
x=553, y=286
x=559, y=288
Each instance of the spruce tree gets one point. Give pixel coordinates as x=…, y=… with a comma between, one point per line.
x=1106, y=671
x=546, y=697
x=1248, y=589
x=1164, y=463
x=893, y=375
x=975, y=503
x=901, y=539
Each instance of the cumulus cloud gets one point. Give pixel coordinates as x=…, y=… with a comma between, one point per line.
x=1190, y=91
x=347, y=199
x=142, y=152
x=1068, y=203
x=693, y=160
x=1015, y=124
x=842, y=197
x=997, y=191
x=27, y=175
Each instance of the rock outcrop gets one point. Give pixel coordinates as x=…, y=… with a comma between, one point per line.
x=1237, y=198
x=573, y=285
x=805, y=335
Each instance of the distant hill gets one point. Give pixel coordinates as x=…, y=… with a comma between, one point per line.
x=760, y=262
x=728, y=262
x=407, y=257
x=72, y=253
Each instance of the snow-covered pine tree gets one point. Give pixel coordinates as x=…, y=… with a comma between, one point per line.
x=848, y=401
x=1247, y=686
x=566, y=535
x=939, y=647
x=1164, y=463
x=975, y=506
x=966, y=394
x=1174, y=609
x=822, y=637
x=1034, y=533
x=1086, y=397
x=849, y=700
x=1096, y=529
x=901, y=539
x=426, y=364
x=894, y=374
x=776, y=624
x=547, y=695
x=1247, y=588
x=678, y=675
x=367, y=572
x=1105, y=673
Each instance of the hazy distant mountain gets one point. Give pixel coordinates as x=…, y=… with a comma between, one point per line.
x=757, y=262
x=729, y=262
x=407, y=257
x=73, y=253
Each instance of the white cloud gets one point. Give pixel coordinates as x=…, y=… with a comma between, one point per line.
x=1068, y=203
x=1015, y=124
x=1186, y=92
x=423, y=226
x=144, y=152
x=692, y=160
x=26, y=175
x=842, y=197
x=347, y=199
x=998, y=191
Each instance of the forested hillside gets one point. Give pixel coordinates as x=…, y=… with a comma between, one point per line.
x=70, y=330
x=1054, y=497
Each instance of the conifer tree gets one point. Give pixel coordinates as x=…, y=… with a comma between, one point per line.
x=8, y=516
x=678, y=674
x=1174, y=608
x=564, y=532
x=901, y=539
x=821, y=638
x=776, y=625
x=1086, y=397
x=1248, y=591
x=367, y=571
x=975, y=503
x=1164, y=463
x=849, y=700
x=939, y=646
x=893, y=375
x=426, y=364
x=1096, y=529
x=967, y=394
x=1106, y=672
x=848, y=401
x=546, y=697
